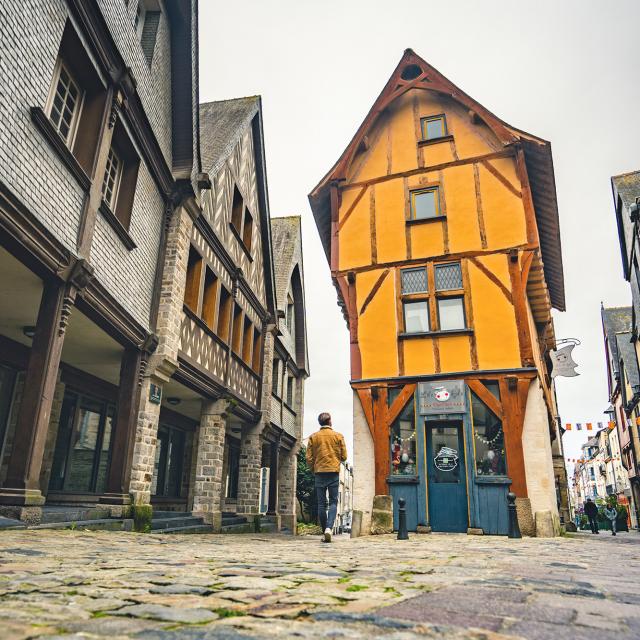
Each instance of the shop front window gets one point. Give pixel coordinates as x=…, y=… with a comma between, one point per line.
x=83, y=445
x=488, y=439
x=403, y=443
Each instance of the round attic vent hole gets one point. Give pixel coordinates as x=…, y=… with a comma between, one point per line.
x=411, y=72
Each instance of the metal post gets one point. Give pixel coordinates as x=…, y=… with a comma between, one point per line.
x=514, y=529
x=403, y=534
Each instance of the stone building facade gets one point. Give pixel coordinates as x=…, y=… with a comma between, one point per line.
x=97, y=163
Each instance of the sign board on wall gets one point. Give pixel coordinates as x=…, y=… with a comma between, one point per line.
x=155, y=394
x=443, y=396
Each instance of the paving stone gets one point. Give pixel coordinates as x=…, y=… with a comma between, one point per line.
x=168, y=614
x=179, y=589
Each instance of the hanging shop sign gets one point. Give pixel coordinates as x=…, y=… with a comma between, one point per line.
x=563, y=363
x=441, y=397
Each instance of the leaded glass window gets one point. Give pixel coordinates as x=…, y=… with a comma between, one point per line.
x=111, y=179
x=414, y=280
x=448, y=276
x=65, y=105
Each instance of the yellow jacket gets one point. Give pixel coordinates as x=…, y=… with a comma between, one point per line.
x=326, y=450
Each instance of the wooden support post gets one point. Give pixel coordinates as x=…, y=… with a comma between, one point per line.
x=381, y=439
x=124, y=429
x=514, y=392
x=22, y=486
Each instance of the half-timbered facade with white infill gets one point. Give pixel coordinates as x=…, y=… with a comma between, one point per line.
x=213, y=402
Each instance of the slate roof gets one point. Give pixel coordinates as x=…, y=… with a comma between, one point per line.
x=627, y=186
x=615, y=320
x=221, y=125
x=627, y=354
x=285, y=232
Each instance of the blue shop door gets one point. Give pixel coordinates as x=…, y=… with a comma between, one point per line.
x=447, y=478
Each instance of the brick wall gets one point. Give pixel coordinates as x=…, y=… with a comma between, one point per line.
x=129, y=275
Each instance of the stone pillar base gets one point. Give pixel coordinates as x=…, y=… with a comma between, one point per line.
x=288, y=521
x=275, y=518
x=214, y=518
x=28, y=515
x=382, y=515
x=21, y=497
x=525, y=517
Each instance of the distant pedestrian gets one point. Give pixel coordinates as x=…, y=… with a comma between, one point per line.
x=611, y=513
x=591, y=511
x=325, y=451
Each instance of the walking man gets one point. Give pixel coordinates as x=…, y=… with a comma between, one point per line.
x=325, y=451
x=611, y=513
x=591, y=511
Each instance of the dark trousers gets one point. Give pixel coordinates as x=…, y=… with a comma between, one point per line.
x=593, y=523
x=327, y=482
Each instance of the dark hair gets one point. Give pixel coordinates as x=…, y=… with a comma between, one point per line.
x=324, y=419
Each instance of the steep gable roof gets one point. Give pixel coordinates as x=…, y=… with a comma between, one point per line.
x=222, y=124
x=414, y=72
x=627, y=354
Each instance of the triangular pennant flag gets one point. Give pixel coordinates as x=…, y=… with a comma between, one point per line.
x=567, y=427
x=612, y=425
x=579, y=426
x=589, y=426
x=599, y=425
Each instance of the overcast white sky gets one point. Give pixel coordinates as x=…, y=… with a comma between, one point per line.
x=566, y=71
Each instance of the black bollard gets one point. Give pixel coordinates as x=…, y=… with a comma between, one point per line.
x=514, y=528
x=403, y=534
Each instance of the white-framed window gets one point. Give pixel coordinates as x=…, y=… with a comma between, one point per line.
x=65, y=103
x=111, y=182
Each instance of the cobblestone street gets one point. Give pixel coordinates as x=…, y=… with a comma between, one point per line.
x=94, y=584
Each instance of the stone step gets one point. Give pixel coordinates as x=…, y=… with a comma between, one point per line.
x=96, y=524
x=231, y=520
x=175, y=523
x=268, y=527
x=170, y=514
x=51, y=514
x=246, y=527
x=198, y=528
x=10, y=523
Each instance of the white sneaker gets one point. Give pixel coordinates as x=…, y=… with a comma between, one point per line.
x=327, y=535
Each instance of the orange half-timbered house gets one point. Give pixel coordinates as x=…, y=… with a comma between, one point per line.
x=440, y=224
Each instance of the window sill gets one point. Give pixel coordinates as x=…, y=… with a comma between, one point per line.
x=42, y=122
x=493, y=480
x=429, y=141
x=435, y=334
x=425, y=220
x=116, y=225
x=243, y=246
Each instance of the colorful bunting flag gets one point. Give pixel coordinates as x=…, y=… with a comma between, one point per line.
x=589, y=426
x=579, y=426
x=567, y=427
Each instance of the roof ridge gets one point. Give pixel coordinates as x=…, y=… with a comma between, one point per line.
x=253, y=97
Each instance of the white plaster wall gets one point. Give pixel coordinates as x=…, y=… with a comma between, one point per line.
x=538, y=460
x=363, y=466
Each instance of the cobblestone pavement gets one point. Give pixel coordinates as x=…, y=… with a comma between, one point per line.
x=95, y=584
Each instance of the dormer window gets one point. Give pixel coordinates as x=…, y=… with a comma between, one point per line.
x=433, y=127
x=146, y=24
x=65, y=104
